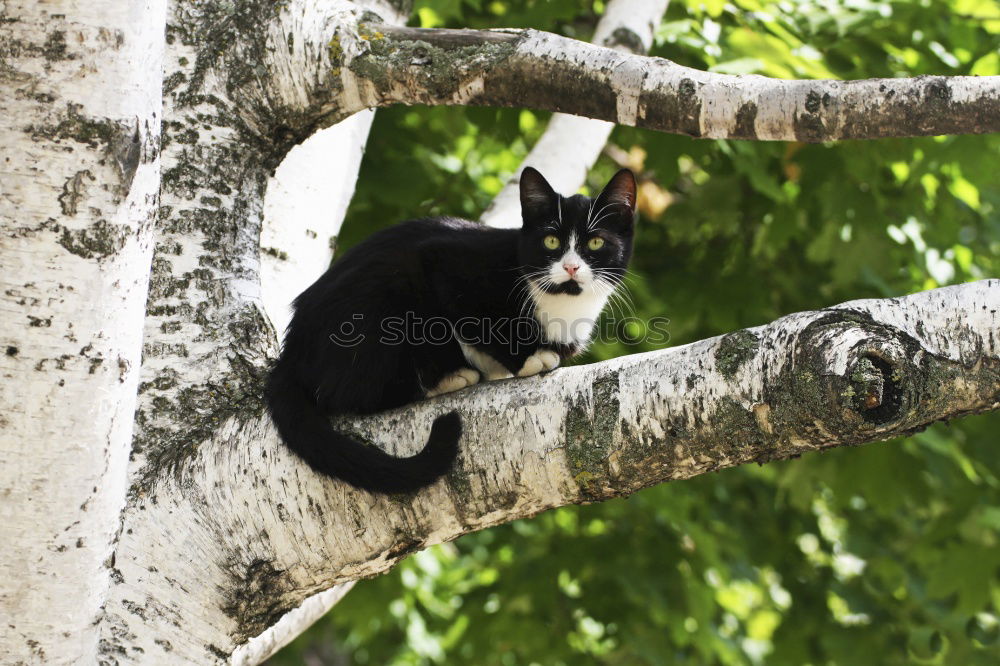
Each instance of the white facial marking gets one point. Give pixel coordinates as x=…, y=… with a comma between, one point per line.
x=557, y=272
x=569, y=318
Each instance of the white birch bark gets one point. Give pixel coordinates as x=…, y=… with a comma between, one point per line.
x=205, y=531
x=571, y=144
x=303, y=211
x=79, y=126
x=527, y=68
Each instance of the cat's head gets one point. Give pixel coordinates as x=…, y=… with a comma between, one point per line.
x=573, y=245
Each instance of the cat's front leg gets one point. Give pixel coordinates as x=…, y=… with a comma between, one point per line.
x=491, y=368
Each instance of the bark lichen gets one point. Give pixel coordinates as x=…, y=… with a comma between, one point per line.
x=734, y=351
x=256, y=596
x=591, y=425
x=434, y=71
x=100, y=240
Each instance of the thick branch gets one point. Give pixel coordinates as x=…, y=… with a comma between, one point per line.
x=268, y=532
x=532, y=69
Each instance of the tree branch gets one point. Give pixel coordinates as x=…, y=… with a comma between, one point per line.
x=860, y=372
x=531, y=69
x=304, y=209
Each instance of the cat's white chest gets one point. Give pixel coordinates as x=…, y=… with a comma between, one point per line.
x=568, y=319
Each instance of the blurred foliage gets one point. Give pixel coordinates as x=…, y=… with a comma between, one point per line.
x=887, y=554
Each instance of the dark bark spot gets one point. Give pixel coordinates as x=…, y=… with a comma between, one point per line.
x=623, y=36
x=275, y=252
x=219, y=653
x=813, y=101
x=746, y=117
x=672, y=110
x=809, y=128
x=74, y=191
x=122, y=141
x=877, y=394
x=938, y=89
x=55, y=47
x=171, y=82
x=12, y=351
x=404, y=548
x=256, y=597
x=102, y=239
x=734, y=351
x=135, y=609
x=128, y=153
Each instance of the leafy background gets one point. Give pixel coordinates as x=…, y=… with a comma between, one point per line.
x=887, y=554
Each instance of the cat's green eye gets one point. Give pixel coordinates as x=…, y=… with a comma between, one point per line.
x=551, y=242
x=595, y=243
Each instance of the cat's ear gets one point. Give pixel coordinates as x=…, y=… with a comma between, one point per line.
x=618, y=196
x=539, y=201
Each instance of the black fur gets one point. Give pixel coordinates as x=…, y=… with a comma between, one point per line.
x=378, y=300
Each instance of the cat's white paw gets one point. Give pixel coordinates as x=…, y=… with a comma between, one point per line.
x=532, y=366
x=471, y=376
x=541, y=361
x=549, y=359
x=457, y=380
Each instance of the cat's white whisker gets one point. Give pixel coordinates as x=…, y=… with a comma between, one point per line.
x=591, y=222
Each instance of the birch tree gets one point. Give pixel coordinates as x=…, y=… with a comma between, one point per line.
x=150, y=512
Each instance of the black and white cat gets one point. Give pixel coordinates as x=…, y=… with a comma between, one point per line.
x=434, y=305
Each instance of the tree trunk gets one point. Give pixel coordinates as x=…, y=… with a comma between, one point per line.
x=80, y=110
x=152, y=514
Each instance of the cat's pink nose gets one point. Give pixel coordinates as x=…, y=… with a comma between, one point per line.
x=571, y=269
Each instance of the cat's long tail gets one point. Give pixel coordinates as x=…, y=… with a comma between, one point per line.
x=307, y=431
